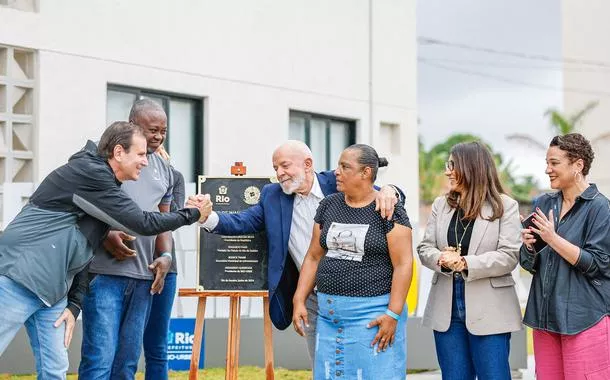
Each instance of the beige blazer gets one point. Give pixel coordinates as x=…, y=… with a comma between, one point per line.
x=492, y=305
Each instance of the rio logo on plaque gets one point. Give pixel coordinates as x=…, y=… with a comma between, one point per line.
x=233, y=262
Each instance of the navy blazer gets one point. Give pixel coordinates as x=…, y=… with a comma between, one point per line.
x=273, y=213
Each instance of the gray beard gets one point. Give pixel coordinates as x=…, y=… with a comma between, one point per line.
x=295, y=183
x=287, y=191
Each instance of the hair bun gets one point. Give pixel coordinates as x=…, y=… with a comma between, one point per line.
x=383, y=162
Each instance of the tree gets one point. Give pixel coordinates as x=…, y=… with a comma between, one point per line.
x=432, y=180
x=524, y=189
x=561, y=124
x=431, y=167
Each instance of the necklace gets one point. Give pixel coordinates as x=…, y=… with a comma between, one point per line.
x=461, y=223
x=459, y=242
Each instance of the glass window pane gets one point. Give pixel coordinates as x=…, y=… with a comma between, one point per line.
x=339, y=140
x=296, y=130
x=118, y=106
x=181, y=125
x=317, y=143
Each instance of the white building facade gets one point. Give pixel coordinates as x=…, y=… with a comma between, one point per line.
x=237, y=78
x=585, y=38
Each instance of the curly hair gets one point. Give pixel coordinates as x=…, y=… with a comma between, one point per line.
x=577, y=147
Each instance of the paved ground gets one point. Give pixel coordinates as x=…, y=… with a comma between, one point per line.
x=527, y=374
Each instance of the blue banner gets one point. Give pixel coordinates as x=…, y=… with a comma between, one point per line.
x=180, y=344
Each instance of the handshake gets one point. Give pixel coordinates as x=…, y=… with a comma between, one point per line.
x=201, y=202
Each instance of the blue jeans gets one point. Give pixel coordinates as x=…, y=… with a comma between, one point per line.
x=157, y=328
x=47, y=342
x=343, y=341
x=115, y=311
x=462, y=355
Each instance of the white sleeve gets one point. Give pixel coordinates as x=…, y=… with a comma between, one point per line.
x=211, y=222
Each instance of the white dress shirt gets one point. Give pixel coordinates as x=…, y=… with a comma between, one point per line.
x=303, y=212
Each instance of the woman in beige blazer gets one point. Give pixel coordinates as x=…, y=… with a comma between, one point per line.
x=472, y=243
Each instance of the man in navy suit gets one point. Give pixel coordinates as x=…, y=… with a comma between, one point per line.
x=286, y=211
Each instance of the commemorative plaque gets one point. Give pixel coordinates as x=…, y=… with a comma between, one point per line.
x=229, y=262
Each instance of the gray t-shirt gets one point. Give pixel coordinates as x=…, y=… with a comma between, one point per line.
x=153, y=188
x=178, y=195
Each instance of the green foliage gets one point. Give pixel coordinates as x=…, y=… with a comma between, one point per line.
x=563, y=124
x=432, y=178
x=432, y=166
x=523, y=188
x=560, y=123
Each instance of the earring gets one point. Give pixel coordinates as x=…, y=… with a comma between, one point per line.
x=578, y=177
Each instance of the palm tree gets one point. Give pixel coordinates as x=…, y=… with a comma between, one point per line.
x=561, y=124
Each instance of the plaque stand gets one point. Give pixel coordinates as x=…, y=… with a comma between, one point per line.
x=232, y=359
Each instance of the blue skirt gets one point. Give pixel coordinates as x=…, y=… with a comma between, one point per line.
x=343, y=342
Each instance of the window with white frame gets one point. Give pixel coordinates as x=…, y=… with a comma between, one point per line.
x=326, y=136
x=184, y=140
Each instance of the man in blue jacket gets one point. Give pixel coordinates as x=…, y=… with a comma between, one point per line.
x=286, y=211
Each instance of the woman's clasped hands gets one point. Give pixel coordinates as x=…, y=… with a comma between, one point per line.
x=452, y=260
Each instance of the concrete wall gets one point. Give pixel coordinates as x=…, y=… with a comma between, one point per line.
x=585, y=37
x=251, y=61
x=290, y=350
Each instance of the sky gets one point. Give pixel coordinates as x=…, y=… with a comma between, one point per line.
x=457, y=102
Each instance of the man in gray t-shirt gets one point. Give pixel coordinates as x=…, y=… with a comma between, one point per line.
x=121, y=287
x=151, y=190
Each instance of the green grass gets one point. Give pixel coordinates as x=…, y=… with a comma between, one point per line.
x=245, y=373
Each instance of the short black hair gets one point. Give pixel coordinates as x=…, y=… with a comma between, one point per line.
x=118, y=133
x=141, y=106
x=577, y=147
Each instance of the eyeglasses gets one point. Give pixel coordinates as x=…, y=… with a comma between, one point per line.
x=450, y=165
